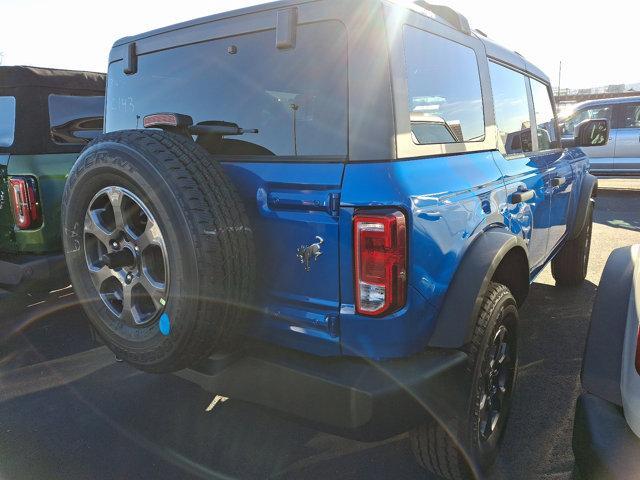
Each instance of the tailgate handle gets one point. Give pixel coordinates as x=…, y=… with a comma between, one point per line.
x=317, y=201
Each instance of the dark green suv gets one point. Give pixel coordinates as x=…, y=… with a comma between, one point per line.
x=46, y=117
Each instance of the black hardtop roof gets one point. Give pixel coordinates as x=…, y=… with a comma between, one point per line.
x=262, y=7
x=55, y=78
x=218, y=16
x=494, y=49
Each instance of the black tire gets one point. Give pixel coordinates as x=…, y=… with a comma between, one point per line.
x=569, y=267
x=434, y=447
x=207, y=237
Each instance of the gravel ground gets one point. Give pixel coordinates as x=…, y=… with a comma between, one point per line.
x=67, y=410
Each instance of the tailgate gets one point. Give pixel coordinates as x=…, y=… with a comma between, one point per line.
x=293, y=206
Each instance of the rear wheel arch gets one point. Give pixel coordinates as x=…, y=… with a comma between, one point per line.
x=497, y=255
x=513, y=273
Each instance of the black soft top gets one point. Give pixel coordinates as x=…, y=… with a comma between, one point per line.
x=31, y=87
x=27, y=77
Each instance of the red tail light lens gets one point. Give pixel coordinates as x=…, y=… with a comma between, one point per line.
x=380, y=252
x=24, y=198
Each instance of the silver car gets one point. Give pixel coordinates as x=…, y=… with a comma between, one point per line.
x=621, y=155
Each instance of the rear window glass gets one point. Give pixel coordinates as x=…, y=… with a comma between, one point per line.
x=75, y=120
x=296, y=98
x=445, y=97
x=7, y=121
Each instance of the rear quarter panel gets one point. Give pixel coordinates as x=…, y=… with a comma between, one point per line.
x=50, y=171
x=448, y=201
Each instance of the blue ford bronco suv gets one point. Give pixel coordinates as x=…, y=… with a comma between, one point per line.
x=333, y=209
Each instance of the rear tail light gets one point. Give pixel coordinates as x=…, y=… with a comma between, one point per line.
x=24, y=198
x=380, y=252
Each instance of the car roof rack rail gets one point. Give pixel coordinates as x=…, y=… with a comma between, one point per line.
x=455, y=19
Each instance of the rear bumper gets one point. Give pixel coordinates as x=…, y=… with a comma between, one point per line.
x=603, y=444
x=28, y=272
x=354, y=398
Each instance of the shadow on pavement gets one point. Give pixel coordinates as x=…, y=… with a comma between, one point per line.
x=554, y=323
x=84, y=416
x=37, y=329
x=618, y=209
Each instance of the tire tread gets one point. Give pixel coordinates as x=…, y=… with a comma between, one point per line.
x=209, y=201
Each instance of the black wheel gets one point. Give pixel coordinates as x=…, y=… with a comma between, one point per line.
x=569, y=267
x=493, y=362
x=159, y=248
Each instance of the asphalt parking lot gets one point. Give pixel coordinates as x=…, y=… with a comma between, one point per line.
x=69, y=411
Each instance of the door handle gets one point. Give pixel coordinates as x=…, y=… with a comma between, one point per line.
x=521, y=196
x=558, y=181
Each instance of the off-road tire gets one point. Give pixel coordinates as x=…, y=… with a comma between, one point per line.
x=432, y=445
x=210, y=252
x=570, y=266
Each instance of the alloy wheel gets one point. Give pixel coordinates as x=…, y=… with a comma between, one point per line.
x=126, y=256
x=497, y=382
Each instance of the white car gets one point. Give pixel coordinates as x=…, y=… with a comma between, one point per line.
x=606, y=438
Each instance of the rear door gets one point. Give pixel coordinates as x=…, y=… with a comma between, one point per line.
x=526, y=171
x=627, y=144
x=561, y=173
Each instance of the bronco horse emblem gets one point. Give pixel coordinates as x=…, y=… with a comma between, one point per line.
x=305, y=254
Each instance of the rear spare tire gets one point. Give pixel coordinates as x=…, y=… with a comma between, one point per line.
x=159, y=248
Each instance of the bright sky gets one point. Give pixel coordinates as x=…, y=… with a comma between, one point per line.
x=595, y=43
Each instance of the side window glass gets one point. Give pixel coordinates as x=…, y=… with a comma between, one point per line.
x=568, y=126
x=7, y=121
x=75, y=120
x=511, y=105
x=545, y=119
x=445, y=98
x=629, y=116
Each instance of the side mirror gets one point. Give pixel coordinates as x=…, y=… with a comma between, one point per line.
x=592, y=133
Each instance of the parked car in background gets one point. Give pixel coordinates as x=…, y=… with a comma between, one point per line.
x=606, y=441
x=621, y=155
x=264, y=183
x=46, y=117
